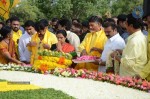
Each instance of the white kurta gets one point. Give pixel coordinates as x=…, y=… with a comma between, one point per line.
x=24, y=53
x=73, y=40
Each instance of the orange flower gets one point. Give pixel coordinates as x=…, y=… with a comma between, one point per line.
x=43, y=68
x=61, y=60
x=39, y=57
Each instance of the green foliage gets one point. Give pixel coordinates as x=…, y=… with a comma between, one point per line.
x=62, y=8
x=1, y=19
x=82, y=9
x=71, y=8
x=26, y=11
x=1, y=80
x=35, y=94
x=125, y=6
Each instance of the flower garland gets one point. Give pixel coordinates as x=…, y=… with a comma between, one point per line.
x=83, y=73
x=99, y=76
x=14, y=67
x=48, y=60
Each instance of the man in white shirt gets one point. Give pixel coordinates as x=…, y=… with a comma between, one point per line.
x=115, y=41
x=24, y=40
x=65, y=24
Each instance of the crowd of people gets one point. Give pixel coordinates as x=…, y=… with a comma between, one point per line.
x=121, y=43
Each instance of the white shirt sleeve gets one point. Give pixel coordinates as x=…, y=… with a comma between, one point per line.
x=21, y=50
x=74, y=40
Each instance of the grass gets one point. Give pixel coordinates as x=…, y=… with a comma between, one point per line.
x=2, y=80
x=35, y=94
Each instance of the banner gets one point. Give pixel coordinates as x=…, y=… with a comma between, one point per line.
x=5, y=7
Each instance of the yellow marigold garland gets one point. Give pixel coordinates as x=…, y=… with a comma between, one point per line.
x=48, y=60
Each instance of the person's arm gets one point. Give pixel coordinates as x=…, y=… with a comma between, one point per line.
x=96, y=49
x=46, y=46
x=10, y=59
x=76, y=43
x=119, y=51
x=99, y=62
x=118, y=58
x=145, y=72
x=59, y=47
x=132, y=52
x=21, y=50
x=82, y=47
x=54, y=39
x=83, y=52
x=116, y=55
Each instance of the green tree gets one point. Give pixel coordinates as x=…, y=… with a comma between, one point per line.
x=72, y=8
x=61, y=8
x=26, y=11
x=54, y=8
x=84, y=8
x=125, y=6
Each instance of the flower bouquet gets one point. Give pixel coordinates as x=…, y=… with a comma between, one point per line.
x=48, y=60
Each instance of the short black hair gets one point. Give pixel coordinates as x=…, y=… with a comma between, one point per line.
x=109, y=20
x=55, y=19
x=29, y=23
x=76, y=20
x=39, y=26
x=15, y=18
x=77, y=25
x=85, y=24
x=95, y=19
x=65, y=23
x=110, y=24
x=8, y=20
x=136, y=22
x=122, y=17
x=4, y=31
x=63, y=32
x=44, y=21
x=3, y=24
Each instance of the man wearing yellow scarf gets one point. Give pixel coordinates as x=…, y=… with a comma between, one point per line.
x=93, y=43
x=17, y=33
x=43, y=39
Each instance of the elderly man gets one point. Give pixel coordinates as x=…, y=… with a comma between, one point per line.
x=93, y=43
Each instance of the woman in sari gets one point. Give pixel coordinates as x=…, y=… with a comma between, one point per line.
x=63, y=44
x=7, y=47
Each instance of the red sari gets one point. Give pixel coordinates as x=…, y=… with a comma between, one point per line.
x=67, y=48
